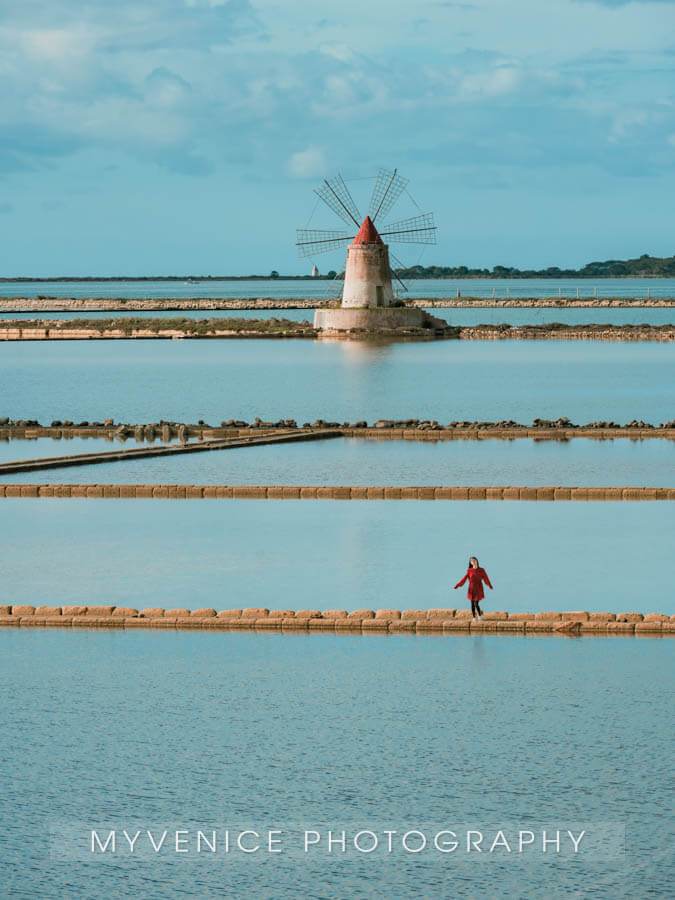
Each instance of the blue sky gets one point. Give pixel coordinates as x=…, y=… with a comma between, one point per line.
x=185, y=136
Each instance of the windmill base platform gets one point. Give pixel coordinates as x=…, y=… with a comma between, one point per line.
x=379, y=320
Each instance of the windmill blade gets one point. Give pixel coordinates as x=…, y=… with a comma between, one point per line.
x=335, y=285
x=388, y=188
x=399, y=265
x=313, y=242
x=335, y=194
x=416, y=230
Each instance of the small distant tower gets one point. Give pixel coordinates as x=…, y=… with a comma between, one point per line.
x=315, y=272
x=367, y=274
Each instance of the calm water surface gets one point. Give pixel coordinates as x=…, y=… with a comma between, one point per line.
x=447, y=287
x=145, y=381
x=352, y=461
x=315, y=554
x=574, y=316
x=179, y=730
x=35, y=448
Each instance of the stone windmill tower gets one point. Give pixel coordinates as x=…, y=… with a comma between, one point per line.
x=367, y=291
x=368, y=273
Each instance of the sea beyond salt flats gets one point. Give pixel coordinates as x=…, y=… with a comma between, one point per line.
x=145, y=381
x=580, y=462
x=324, y=289
x=187, y=730
x=318, y=554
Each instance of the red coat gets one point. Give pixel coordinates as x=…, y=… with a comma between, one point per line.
x=476, y=578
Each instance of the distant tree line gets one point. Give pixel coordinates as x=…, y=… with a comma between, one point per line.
x=644, y=266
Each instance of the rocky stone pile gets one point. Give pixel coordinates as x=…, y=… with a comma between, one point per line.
x=408, y=424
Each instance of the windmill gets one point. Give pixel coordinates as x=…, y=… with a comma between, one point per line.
x=368, y=273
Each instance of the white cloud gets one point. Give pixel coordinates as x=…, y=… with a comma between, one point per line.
x=341, y=52
x=266, y=88
x=340, y=89
x=307, y=163
x=165, y=88
x=626, y=122
x=57, y=45
x=495, y=82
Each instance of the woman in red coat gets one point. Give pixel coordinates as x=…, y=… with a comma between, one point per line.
x=476, y=576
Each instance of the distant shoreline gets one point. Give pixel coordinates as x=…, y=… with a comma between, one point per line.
x=192, y=279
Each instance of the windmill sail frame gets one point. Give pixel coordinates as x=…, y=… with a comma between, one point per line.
x=387, y=189
x=312, y=242
x=415, y=230
x=394, y=273
x=335, y=194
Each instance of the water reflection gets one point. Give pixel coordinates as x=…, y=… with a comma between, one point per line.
x=362, y=352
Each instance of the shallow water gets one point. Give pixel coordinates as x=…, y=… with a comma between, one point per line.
x=145, y=381
x=322, y=554
x=650, y=315
x=179, y=730
x=446, y=287
x=185, y=731
x=579, y=462
x=36, y=448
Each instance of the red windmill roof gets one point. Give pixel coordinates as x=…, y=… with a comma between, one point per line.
x=367, y=233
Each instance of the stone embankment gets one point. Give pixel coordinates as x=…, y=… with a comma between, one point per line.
x=232, y=329
x=561, y=428
x=543, y=302
x=131, y=328
x=362, y=621
x=168, y=304
x=130, y=304
x=334, y=492
x=563, y=332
